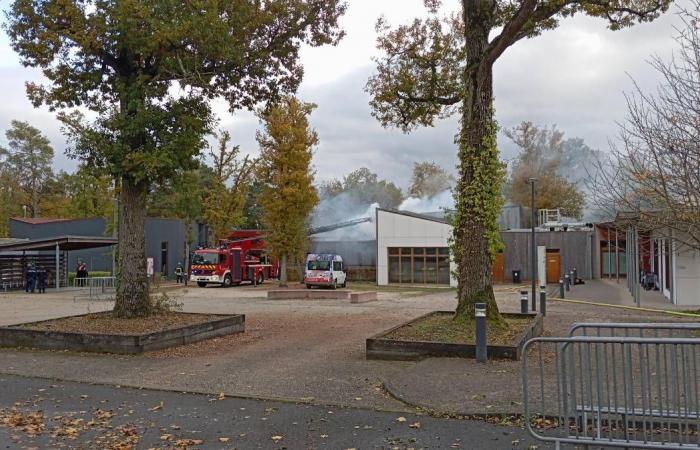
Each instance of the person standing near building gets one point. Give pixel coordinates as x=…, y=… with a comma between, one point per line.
x=31, y=278
x=178, y=273
x=41, y=280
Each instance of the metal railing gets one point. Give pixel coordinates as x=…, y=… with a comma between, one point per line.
x=96, y=287
x=628, y=392
x=638, y=329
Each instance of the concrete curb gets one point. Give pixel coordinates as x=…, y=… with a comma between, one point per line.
x=286, y=400
x=397, y=395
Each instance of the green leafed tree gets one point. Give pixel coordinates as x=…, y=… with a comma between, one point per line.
x=225, y=201
x=287, y=195
x=439, y=66
x=149, y=70
x=429, y=180
x=11, y=195
x=29, y=158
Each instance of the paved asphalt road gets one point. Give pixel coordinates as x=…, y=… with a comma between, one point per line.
x=45, y=414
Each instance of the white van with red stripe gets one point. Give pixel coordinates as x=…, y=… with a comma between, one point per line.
x=324, y=270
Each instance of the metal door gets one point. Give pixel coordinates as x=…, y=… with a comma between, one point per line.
x=553, y=267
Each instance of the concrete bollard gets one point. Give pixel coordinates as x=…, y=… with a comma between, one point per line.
x=523, y=302
x=561, y=288
x=567, y=282
x=543, y=300
x=480, y=315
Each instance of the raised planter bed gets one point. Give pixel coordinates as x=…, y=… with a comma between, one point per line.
x=34, y=335
x=363, y=297
x=383, y=347
x=310, y=294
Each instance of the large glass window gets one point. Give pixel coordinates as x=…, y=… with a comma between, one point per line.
x=419, y=265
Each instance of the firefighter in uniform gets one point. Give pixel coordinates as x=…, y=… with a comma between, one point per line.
x=178, y=273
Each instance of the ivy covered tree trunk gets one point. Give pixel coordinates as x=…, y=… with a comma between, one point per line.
x=132, y=288
x=478, y=197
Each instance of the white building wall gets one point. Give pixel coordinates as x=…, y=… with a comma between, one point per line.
x=398, y=230
x=687, y=278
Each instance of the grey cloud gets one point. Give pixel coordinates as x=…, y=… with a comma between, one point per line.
x=573, y=77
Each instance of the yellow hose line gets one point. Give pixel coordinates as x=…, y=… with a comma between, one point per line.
x=632, y=308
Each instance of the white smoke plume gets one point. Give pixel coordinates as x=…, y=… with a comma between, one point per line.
x=434, y=204
x=345, y=207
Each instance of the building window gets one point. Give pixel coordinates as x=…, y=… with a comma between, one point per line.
x=164, y=258
x=419, y=265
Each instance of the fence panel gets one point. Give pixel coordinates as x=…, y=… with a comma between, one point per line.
x=629, y=392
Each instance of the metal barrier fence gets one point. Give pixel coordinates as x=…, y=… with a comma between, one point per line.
x=639, y=329
x=96, y=286
x=628, y=392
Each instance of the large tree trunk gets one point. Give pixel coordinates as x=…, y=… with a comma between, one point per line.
x=480, y=173
x=132, y=288
x=283, y=271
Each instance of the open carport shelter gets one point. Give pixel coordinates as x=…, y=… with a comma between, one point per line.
x=50, y=254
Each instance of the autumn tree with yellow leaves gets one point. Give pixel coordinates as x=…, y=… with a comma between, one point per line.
x=287, y=195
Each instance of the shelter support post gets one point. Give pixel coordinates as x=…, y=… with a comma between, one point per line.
x=57, y=273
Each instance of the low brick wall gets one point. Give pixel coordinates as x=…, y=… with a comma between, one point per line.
x=380, y=347
x=310, y=294
x=363, y=297
x=18, y=336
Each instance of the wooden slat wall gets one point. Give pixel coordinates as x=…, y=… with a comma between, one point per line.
x=13, y=268
x=575, y=248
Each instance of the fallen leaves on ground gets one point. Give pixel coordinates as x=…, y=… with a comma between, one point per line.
x=415, y=425
x=31, y=423
x=276, y=438
x=401, y=419
x=186, y=443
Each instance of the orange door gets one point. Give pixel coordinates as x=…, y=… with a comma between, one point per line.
x=553, y=267
x=498, y=269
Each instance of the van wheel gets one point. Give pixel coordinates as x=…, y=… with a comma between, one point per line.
x=308, y=286
x=227, y=281
x=345, y=284
x=261, y=278
x=201, y=284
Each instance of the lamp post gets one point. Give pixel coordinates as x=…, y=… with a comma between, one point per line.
x=533, y=249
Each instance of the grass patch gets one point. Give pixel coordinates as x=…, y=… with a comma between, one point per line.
x=442, y=328
x=108, y=323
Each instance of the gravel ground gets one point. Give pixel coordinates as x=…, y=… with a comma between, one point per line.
x=304, y=350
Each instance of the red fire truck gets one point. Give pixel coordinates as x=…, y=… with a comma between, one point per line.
x=241, y=258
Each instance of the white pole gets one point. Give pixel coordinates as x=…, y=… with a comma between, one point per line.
x=58, y=267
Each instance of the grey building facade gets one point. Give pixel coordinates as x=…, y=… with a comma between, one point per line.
x=98, y=260
x=166, y=240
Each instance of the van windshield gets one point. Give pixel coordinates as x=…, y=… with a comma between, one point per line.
x=319, y=265
x=205, y=258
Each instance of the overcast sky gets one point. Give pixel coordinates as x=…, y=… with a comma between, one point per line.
x=573, y=77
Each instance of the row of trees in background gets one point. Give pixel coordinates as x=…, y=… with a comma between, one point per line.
x=225, y=191
x=30, y=187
